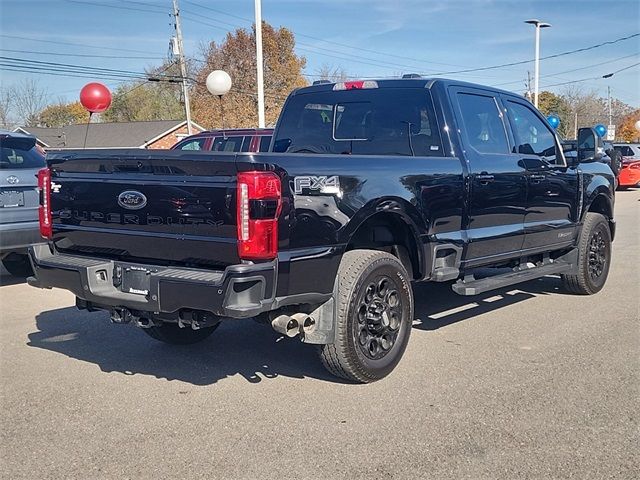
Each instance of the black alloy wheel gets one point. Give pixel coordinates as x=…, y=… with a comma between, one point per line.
x=594, y=257
x=374, y=316
x=379, y=317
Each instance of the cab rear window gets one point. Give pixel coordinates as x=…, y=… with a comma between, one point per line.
x=362, y=121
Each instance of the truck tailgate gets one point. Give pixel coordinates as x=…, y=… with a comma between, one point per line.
x=161, y=207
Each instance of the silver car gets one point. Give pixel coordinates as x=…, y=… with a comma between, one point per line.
x=630, y=151
x=20, y=160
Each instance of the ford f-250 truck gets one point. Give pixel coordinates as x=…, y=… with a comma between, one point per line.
x=368, y=187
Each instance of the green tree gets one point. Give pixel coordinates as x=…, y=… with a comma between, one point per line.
x=62, y=114
x=144, y=101
x=236, y=56
x=550, y=103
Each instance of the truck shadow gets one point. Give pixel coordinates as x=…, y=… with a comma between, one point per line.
x=436, y=305
x=241, y=347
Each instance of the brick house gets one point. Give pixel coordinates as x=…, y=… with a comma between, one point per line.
x=156, y=134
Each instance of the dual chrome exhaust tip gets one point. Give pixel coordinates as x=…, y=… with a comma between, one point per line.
x=292, y=325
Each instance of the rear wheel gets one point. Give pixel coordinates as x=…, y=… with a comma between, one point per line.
x=594, y=257
x=171, y=333
x=374, y=316
x=18, y=265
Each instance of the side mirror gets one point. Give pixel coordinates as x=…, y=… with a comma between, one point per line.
x=590, y=147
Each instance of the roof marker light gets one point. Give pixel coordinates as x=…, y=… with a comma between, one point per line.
x=356, y=85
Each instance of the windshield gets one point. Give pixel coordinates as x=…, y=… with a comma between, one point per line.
x=19, y=153
x=382, y=121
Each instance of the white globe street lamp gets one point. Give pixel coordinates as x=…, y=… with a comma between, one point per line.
x=219, y=83
x=538, y=24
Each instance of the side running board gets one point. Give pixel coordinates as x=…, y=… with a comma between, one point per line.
x=471, y=286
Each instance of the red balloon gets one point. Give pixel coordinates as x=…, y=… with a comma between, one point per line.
x=95, y=97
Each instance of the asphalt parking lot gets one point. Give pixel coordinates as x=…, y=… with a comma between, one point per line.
x=527, y=382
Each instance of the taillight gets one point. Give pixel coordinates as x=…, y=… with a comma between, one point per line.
x=259, y=202
x=635, y=166
x=44, y=212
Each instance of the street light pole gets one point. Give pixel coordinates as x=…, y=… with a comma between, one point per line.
x=260, y=74
x=536, y=82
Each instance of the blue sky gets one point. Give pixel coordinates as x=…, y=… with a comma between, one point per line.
x=376, y=37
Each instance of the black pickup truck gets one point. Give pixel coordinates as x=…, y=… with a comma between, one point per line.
x=368, y=187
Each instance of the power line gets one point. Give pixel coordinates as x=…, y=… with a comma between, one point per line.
x=574, y=70
x=584, y=49
x=300, y=45
x=389, y=65
x=381, y=64
x=31, y=39
x=608, y=75
x=14, y=68
x=205, y=7
x=70, y=65
x=34, y=52
x=95, y=4
x=621, y=70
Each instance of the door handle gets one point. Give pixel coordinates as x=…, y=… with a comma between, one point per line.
x=485, y=178
x=537, y=178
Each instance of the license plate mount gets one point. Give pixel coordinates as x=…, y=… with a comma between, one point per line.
x=136, y=280
x=11, y=198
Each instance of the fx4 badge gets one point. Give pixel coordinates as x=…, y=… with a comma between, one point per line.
x=321, y=183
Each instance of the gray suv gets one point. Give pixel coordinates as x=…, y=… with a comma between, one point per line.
x=20, y=160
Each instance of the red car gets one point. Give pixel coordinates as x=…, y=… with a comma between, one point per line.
x=230, y=140
x=629, y=174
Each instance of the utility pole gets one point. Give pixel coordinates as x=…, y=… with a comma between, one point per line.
x=529, y=94
x=183, y=65
x=609, y=100
x=260, y=74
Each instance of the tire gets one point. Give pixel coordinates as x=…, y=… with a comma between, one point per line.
x=18, y=265
x=374, y=305
x=172, y=334
x=594, y=257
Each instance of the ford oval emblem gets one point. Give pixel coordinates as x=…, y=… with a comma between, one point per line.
x=132, y=200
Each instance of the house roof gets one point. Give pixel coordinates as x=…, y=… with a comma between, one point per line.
x=106, y=135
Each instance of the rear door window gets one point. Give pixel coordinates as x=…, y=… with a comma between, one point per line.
x=378, y=121
x=483, y=125
x=228, y=144
x=195, y=144
x=246, y=144
x=625, y=150
x=265, y=141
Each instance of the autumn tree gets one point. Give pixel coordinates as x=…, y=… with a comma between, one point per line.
x=236, y=56
x=159, y=99
x=626, y=130
x=61, y=114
